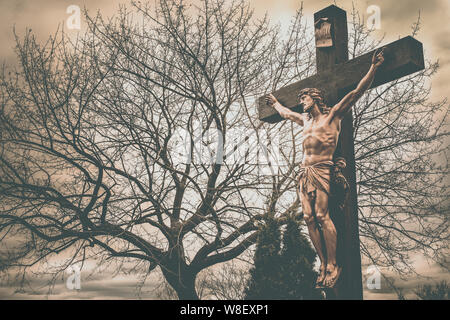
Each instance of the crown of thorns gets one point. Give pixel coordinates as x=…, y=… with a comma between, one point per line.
x=312, y=92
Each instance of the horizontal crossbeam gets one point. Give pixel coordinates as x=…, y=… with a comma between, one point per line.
x=402, y=57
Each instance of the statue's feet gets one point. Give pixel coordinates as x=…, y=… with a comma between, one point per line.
x=332, y=275
x=321, y=277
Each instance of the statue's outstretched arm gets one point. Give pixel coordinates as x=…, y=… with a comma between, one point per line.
x=284, y=112
x=343, y=106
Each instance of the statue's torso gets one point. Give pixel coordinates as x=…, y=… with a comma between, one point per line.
x=320, y=137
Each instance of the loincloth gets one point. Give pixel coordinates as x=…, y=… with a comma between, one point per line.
x=321, y=175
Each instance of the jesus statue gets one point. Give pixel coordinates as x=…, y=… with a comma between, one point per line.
x=322, y=125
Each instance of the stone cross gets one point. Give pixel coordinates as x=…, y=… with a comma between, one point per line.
x=335, y=77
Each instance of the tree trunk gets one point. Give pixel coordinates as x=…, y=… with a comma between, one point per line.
x=187, y=292
x=182, y=280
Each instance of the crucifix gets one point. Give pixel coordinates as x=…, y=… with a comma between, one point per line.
x=335, y=80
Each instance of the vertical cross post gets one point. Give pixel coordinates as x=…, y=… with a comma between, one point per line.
x=327, y=57
x=336, y=76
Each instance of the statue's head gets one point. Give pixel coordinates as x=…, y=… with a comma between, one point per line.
x=309, y=97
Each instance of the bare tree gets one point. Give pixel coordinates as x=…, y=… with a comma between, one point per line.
x=440, y=291
x=88, y=127
x=227, y=282
x=89, y=152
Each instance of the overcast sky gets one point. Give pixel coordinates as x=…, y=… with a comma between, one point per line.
x=43, y=17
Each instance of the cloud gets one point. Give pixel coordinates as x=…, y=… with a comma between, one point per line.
x=428, y=273
x=397, y=16
x=104, y=286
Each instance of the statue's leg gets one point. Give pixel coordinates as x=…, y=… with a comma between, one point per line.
x=314, y=232
x=330, y=235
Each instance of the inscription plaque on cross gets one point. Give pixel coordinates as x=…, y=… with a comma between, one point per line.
x=335, y=77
